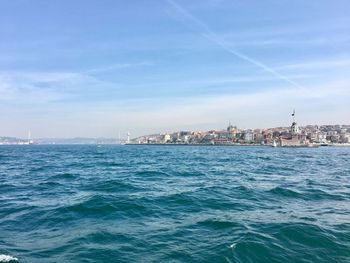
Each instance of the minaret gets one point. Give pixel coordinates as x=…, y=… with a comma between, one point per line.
x=229, y=127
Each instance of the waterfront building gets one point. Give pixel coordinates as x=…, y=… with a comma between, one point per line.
x=296, y=138
x=166, y=138
x=248, y=136
x=286, y=136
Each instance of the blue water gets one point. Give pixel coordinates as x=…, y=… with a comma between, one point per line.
x=174, y=204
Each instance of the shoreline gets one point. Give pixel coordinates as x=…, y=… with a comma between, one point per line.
x=238, y=145
x=179, y=144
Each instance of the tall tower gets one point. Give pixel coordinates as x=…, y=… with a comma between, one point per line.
x=294, y=129
x=128, y=137
x=30, y=141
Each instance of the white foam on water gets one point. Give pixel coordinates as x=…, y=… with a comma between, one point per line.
x=7, y=258
x=233, y=245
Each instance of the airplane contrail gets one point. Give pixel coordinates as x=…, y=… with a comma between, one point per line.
x=213, y=37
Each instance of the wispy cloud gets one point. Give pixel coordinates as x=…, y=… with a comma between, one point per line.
x=46, y=87
x=203, y=63
x=217, y=82
x=212, y=36
x=285, y=40
x=16, y=90
x=50, y=86
x=318, y=64
x=118, y=66
x=262, y=108
x=33, y=88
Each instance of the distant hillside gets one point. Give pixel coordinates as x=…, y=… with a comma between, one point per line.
x=78, y=140
x=6, y=139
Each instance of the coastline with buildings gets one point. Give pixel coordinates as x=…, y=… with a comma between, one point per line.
x=305, y=136
x=293, y=136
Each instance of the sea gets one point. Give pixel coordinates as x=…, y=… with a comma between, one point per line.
x=129, y=203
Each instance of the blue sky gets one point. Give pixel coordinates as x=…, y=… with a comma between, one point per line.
x=97, y=68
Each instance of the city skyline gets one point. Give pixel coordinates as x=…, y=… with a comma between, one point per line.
x=86, y=69
x=326, y=130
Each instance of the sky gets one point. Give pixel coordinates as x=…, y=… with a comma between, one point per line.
x=97, y=68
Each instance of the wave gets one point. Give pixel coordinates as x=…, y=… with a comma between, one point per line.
x=99, y=205
x=151, y=174
x=281, y=191
x=43, y=168
x=281, y=242
x=110, y=164
x=318, y=194
x=265, y=158
x=219, y=224
x=7, y=187
x=103, y=237
x=181, y=199
x=7, y=258
x=48, y=184
x=308, y=194
x=67, y=176
x=112, y=186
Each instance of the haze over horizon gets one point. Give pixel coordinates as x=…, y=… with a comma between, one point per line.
x=97, y=68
